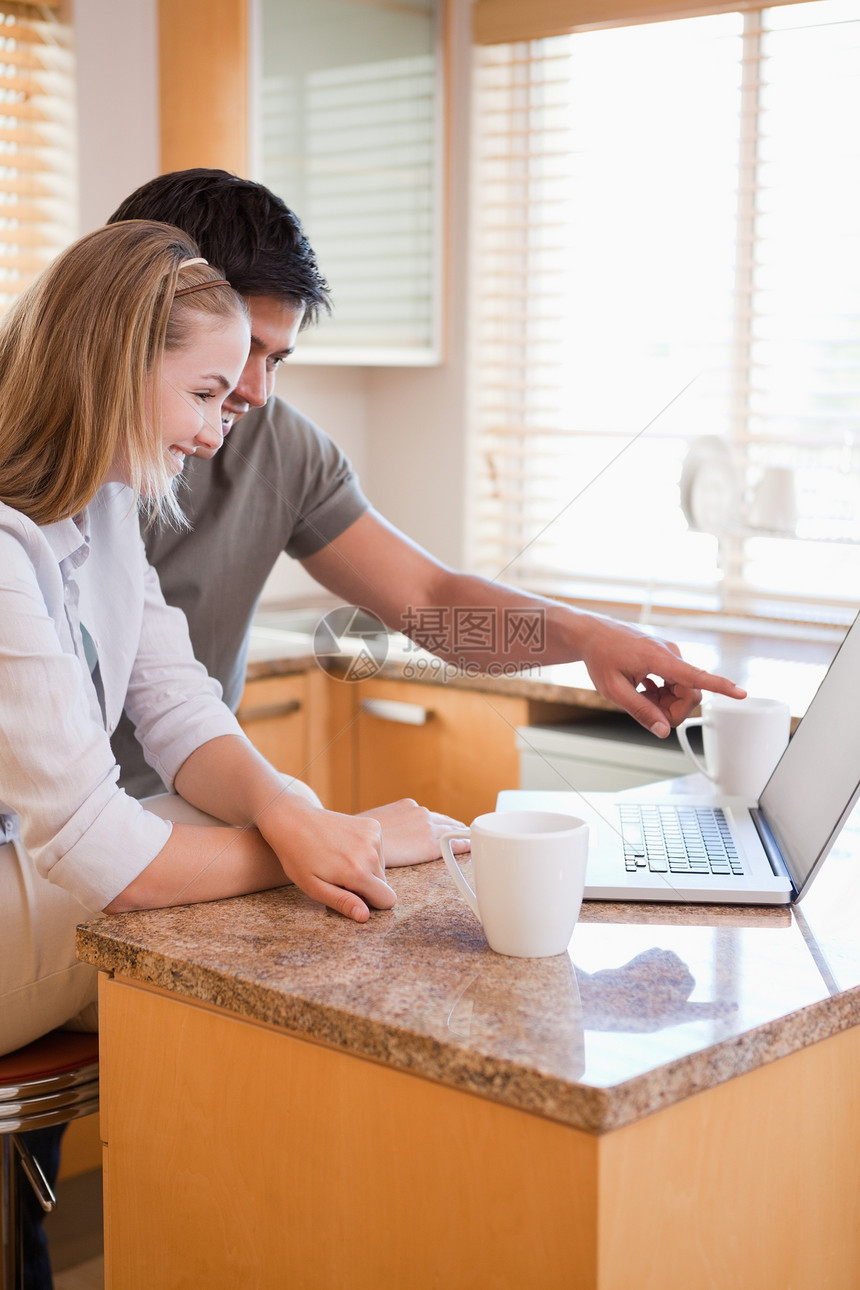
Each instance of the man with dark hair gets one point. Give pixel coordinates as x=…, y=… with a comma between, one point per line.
x=252, y=230
x=282, y=484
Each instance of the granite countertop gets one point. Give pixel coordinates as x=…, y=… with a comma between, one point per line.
x=650, y=1005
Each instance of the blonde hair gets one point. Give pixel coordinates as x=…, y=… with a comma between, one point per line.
x=77, y=349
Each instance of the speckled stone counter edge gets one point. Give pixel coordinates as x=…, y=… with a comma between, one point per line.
x=595, y=1110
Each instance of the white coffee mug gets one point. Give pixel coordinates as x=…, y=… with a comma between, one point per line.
x=529, y=875
x=742, y=740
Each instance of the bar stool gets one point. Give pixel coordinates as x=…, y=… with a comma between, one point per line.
x=49, y=1082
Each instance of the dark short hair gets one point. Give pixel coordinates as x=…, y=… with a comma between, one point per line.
x=241, y=227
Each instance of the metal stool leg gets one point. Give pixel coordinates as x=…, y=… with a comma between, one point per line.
x=43, y=1190
x=13, y=1148
x=11, y=1264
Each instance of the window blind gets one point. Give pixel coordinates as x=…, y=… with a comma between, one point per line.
x=350, y=138
x=667, y=317
x=38, y=191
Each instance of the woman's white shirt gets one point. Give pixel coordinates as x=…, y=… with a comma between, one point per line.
x=58, y=777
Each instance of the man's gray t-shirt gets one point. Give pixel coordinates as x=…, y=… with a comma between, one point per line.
x=277, y=484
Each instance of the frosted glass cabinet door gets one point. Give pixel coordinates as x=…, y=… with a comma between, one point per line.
x=348, y=112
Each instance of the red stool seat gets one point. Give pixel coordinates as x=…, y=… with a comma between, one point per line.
x=60, y=1051
x=49, y=1082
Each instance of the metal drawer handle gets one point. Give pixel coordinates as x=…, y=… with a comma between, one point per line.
x=266, y=711
x=406, y=714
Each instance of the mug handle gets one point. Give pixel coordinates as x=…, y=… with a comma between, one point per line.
x=454, y=869
x=683, y=740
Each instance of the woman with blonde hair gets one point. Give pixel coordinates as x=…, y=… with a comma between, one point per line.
x=113, y=368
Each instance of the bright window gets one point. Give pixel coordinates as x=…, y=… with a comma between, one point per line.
x=668, y=313
x=38, y=165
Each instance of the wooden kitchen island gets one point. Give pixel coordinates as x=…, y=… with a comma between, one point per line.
x=292, y=1100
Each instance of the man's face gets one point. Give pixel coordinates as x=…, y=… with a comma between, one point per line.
x=274, y=328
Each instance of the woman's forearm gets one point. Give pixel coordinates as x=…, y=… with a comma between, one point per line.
x=230, y=780
x=279, y=836
x=202, y=862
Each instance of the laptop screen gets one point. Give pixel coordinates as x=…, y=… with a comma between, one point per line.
x=817, y=780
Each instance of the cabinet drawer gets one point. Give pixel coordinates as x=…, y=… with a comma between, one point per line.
x=273, y=714
x=452, y=750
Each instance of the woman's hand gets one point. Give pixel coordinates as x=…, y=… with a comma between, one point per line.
x=335, y=859
x=410, y=833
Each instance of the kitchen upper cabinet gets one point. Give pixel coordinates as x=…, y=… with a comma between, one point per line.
x=203, y=84
x=452, y=750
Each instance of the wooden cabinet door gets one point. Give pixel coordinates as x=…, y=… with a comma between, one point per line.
x=273, y=714
x=452, y=750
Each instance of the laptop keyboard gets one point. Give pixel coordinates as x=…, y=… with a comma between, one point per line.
x=678, y=839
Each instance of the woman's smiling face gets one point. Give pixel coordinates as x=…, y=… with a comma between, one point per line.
x=195, y=381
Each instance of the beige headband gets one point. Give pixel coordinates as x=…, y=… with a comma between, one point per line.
x=199, y=286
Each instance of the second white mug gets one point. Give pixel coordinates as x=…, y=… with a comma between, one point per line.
x=742, y=740
x=529, y=874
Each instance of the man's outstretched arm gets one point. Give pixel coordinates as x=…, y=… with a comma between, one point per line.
x=374, y=565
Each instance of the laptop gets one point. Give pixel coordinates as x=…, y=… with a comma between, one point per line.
x=659, y=845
